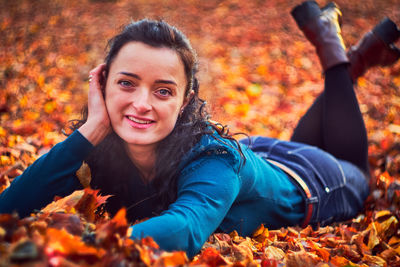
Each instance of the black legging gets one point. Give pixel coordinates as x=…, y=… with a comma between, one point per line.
x=334, y=122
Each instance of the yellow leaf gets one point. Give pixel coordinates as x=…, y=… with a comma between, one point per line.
x=373, y=239
x=5, y=160
x=23, y=101
x=65, y=204
x=50, y=106
x=384, y=226
x=362, y=82
x=254, y=90
x=259, y=230
x=374, y=260
x=2, y=132
x=242, y=109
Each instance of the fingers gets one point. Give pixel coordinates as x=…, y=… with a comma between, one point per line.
x=95, y=74
x=95, y=96
x=97, y=125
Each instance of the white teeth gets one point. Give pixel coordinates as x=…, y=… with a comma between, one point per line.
x=138, y=121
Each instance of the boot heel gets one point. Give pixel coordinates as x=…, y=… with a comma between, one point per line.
x=305, y=11
x=387, y=31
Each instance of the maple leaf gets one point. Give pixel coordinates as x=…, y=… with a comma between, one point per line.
x=89, y=202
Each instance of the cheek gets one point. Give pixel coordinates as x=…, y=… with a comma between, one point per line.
x=113, y=98
x=172, y=113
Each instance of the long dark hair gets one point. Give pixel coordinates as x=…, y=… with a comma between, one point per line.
x=191, y=125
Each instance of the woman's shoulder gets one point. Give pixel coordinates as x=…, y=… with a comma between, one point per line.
x=212, y=147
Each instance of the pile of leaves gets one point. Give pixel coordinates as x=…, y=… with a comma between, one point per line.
x=256, y=71
x=75, y=231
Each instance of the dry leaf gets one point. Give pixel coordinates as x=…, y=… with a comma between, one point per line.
x=84, y=175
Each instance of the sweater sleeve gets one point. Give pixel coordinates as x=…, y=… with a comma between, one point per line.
x=53, y=174
x=205, y=195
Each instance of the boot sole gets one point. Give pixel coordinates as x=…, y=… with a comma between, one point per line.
x=387, y=31
x=305, y=11
x=309, y=10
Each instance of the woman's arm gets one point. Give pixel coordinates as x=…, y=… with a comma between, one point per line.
x=205, y=195
x=53, y=174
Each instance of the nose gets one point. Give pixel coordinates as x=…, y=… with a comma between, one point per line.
x=142, y=100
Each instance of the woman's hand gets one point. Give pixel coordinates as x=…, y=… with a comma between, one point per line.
x=97, y=125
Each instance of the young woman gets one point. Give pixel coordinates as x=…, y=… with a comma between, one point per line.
x=150, y=144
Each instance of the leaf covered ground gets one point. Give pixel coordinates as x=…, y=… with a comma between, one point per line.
x=259, y=75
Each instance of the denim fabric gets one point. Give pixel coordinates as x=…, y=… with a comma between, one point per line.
x=338, y=188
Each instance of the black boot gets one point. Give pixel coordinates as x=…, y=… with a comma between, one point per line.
x=376, y=48
x=322, y=29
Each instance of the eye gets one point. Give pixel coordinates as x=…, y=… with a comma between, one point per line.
x=164, y=92
x=125, y=83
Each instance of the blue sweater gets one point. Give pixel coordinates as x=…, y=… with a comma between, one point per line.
x=215, y=192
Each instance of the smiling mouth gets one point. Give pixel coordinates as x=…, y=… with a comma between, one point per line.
x=139, y=121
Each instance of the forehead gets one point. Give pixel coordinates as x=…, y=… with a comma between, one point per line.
x=140, y=57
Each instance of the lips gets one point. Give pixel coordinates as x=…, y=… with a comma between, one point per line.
x=139, y=123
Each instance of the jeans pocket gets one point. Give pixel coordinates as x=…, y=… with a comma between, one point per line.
x=327, y=169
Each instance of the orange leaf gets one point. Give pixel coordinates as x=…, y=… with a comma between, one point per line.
x=63, y=242
x=339, y=261
x=89, y=202
x=177, y=258
x=210, y=257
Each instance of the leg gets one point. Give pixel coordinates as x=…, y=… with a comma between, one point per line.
x=309, y=127
x=344, y=132
x=334, y=122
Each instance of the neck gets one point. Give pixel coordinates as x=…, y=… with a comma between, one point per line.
x=144, y=159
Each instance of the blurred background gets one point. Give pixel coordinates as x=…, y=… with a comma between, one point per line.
x=257, y=71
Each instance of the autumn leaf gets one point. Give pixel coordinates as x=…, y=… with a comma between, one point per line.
x=89, y=202
x=259, y=75
x=66, y=204
x=172, y=259
x=60, y=242
x=84, y=175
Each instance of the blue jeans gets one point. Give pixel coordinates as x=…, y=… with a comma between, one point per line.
x=338, y=188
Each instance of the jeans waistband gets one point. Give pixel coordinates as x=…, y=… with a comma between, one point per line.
x=300, y=182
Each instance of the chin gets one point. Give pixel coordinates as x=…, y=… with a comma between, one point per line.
x=144, y=140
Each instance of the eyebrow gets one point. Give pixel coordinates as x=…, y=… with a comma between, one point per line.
x=166, y=81
x=130, y=74
x=138, y=77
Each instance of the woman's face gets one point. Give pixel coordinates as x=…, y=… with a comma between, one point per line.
x=145, y=92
